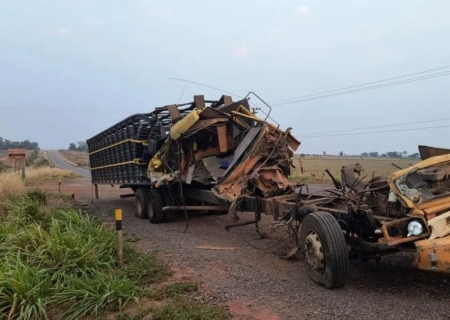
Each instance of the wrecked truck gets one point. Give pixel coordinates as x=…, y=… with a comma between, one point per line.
x=218, y=155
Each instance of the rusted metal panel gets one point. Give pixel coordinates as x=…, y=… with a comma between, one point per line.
x=428, y=152
x=223, y=138
x=175, y=114
x=270, y=180
x=199, y=102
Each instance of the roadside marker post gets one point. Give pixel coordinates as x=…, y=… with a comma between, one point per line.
x=59, y=186
x=119, y=233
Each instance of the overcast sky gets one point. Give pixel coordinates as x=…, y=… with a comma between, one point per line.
x=69, y=69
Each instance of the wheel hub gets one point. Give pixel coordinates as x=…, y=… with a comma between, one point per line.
x=314, y=252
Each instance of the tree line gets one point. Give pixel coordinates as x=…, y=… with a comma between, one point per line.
x=26, y=144
x=79, y=146
x=389, y=154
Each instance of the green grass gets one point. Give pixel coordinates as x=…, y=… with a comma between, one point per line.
x=62, y=263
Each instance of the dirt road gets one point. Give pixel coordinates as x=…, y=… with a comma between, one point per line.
x=256, y=284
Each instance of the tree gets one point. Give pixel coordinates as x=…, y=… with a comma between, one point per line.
x=374, y=154
x=364, y=154
x=73, y=147
x=394, y=154
x=405, y=153
x=341, y=154
x=414, y=155
x=27, y=144
x=324, y=153
x=82, y=146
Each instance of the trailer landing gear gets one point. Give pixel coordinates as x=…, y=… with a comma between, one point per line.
x=325, y=250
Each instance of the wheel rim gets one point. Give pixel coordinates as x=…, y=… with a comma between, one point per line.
x=314, y=252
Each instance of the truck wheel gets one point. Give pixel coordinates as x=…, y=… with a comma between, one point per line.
x=141, y=203
x=325, y=249
x=155, y=205
x=168, y=199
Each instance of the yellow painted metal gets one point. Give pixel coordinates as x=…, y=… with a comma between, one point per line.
x=433, y=255
x=429, y=207
x=135, y=161
x=440, y=226
x=184, y=124
x=144, y=142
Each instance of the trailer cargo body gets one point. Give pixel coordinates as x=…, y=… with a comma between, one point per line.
x=205, y=151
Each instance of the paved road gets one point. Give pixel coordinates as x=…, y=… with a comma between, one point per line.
x=60, y=163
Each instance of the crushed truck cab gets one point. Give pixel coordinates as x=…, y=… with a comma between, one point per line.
x=425, y=189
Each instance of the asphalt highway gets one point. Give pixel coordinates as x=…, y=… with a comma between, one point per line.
x=60, y=163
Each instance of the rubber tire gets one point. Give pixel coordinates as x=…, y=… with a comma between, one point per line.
x=141, y=201
x=335, y=249
x=155, y=205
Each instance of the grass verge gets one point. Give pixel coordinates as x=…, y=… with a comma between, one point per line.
x=11, y=186
x=47, y=173
x=60, y=264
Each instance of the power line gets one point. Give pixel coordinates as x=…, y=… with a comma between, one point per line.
x=372, y=132
x=364, y=89
x=206, y=86
x=317, y=134
x=360, y=85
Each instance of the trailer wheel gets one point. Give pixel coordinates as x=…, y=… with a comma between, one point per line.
x=325, y=249
x=155, y=205
x=141, y=203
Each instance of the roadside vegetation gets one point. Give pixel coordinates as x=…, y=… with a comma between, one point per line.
x=38, y=167
x=59, y=263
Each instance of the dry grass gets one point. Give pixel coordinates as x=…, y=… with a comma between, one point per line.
x=314, y=167
x=46, y=173
x=11, y=186
x=77, y=158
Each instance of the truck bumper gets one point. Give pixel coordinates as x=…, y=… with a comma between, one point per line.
x=433, y=255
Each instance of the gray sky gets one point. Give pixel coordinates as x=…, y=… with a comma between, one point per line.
x=70, y=69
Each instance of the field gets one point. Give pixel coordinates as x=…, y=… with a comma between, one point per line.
x=78, y=158
x=314, y=167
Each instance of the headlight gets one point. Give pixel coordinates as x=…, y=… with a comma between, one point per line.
x=414, y=228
